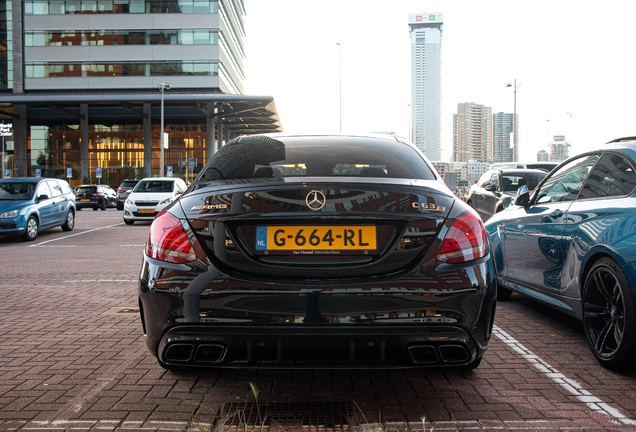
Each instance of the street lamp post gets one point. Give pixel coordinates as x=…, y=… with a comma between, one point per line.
x=340, y=46
x=515, y=150
x=162, y=86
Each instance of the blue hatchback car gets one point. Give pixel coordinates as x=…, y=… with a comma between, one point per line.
x=28, y=205
x=570, y=244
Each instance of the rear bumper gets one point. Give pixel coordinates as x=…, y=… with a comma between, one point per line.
x=88, y=204
x=437, y=317
x=316, y=346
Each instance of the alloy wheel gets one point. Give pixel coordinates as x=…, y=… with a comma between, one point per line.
x=604, y=312
x=31, y=231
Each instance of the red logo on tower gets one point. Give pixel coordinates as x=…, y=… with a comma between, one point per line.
x=418, y=18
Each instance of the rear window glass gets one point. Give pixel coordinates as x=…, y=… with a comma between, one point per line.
x=265, y=157
x=151, y=186
x=83, y=190
x=128, y=184
x=512, y=182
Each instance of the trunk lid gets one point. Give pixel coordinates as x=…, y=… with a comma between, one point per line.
x=316, y=230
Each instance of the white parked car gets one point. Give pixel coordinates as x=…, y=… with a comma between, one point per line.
x=150, y=196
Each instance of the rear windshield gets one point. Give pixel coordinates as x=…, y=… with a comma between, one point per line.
x=545, y=167
x=16, y=191
x=512, y=182
x=128, y=184
x=83, y=190
x=265, y=157
x=150, y=186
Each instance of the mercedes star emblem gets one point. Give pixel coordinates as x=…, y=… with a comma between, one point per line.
x=315, y=200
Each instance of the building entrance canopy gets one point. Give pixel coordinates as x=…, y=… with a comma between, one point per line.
x=242, y=114
x=120, y=132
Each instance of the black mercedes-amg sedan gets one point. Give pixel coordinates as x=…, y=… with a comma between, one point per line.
x=292, y=251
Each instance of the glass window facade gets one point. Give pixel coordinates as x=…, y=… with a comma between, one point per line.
x=165, y=68
x=55, y=7
x=119, y=37
x=117, y=148
x=6, y=46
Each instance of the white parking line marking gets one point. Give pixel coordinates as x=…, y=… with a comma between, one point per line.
x=570, y=385
x=73, y=235
x=142, y=245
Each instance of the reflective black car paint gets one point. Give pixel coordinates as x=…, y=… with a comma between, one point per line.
x=368, y=309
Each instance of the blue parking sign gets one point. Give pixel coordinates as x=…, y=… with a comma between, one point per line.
x=98, y=172
x=169, y=170
x=38, y=172
x=7, y=173
x=69, y=172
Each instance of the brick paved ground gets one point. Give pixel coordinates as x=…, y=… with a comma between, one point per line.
x=64, y=365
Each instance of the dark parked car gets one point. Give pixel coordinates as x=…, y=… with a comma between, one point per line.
x=497, y=189
x=95, y=197
x=123, y=191
x=570, y=245
x=317, y=251
x=29, y=205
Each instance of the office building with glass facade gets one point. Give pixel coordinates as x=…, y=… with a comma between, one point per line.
x=81, y=85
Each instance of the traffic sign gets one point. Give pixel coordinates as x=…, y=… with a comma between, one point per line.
x=169, y=170
x=69, y=172
x=98, y=172
x=6, y=129
x=182, y=163
x=7, y=173
x=38, y=172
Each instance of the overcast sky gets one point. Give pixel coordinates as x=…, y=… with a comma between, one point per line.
x=575, y=65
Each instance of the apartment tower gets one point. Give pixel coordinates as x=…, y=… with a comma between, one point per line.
x=503, y=128
x=474, y=133
x=426, y=76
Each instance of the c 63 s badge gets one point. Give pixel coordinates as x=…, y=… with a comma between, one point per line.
x=428, y=207
x=210, y=207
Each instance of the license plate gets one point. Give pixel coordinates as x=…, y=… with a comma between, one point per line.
x=315, y=238
x=146, y=210
x=85, y=200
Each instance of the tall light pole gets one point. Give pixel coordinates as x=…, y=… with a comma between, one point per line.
x=515, y=151
x=162, y=86
x=340, y=46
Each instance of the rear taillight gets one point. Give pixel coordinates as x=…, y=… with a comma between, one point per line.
x=168, y=241
x=96, y=194
x=121, y=190
x=464, y=241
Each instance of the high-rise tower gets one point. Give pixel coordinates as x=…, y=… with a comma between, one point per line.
x=474, y=133
x=503, y=127
x=426, y=79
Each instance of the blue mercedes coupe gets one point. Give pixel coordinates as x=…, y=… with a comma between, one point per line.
x=570, y=244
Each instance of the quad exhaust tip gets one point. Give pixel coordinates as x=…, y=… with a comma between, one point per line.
x=202, y=353
x=447, y=353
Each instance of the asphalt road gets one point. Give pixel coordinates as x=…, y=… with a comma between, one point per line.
x=72, y=356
